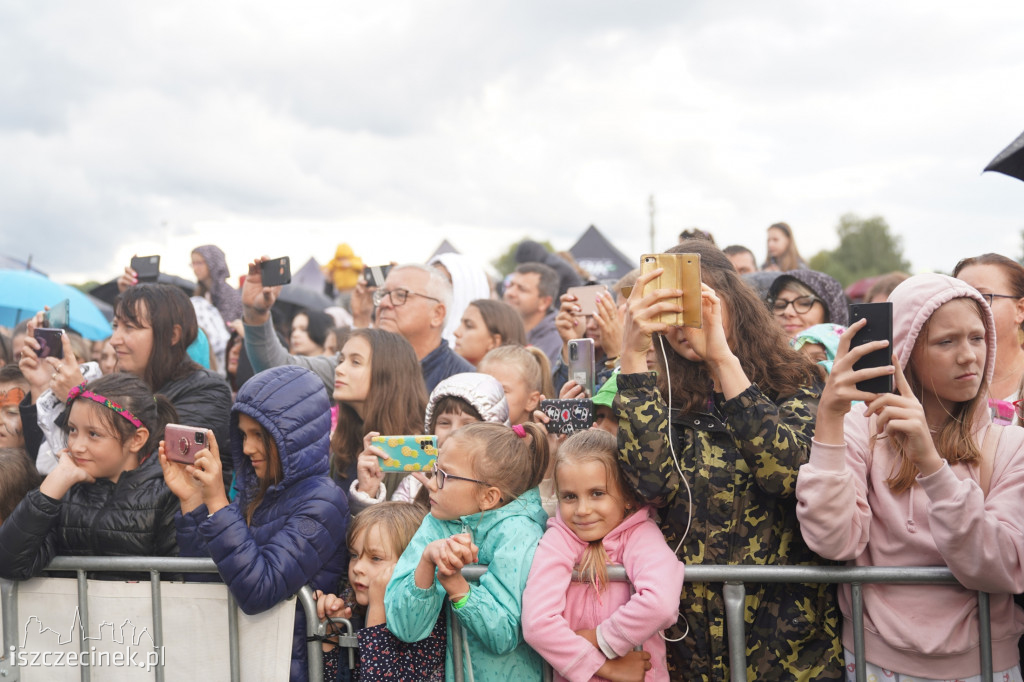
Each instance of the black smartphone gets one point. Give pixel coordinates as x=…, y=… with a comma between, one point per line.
x=50, y=343
x=568, y=416
x=276, y=272
x=375, y=275
x=58, y=316
x=878, y=328
x=581, y=364
x=147, y=268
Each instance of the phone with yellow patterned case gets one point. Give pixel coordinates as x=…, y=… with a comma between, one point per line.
x=407, y=453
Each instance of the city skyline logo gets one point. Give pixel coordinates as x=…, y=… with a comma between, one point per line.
x=132, y=650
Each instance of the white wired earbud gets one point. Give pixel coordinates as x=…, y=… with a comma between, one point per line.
x=679, y=470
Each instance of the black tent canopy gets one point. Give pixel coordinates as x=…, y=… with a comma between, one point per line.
x=600, y=258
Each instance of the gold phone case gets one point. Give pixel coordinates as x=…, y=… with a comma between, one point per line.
x=681, y=271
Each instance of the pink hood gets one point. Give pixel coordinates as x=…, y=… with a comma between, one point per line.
x=917, y=298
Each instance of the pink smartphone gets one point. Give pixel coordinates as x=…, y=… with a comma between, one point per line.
x=181, y=443
x=586, y=297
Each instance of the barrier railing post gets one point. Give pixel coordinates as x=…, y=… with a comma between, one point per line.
x=158, y=624
x=233, y=654
x=457, y=663
x=314, y=650
x=985, y=634
x=9, y=602
x=735, y=598
x=84, y=671
x=857, y=597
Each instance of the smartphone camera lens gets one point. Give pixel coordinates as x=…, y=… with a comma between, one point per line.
x=574, y=352
x=200, y=437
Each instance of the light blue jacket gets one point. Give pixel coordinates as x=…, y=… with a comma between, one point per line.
x=492, y=618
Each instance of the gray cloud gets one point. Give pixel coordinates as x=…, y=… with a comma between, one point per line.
x=486, y=121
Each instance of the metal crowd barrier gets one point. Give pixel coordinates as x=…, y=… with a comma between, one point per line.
x=155, y=566
x=734, y=578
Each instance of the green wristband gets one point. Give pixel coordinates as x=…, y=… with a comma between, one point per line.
x=462, y=602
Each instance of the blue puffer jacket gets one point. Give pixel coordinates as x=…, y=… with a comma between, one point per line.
x=297, y=534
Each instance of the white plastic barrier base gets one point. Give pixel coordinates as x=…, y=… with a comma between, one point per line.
x=120, y=626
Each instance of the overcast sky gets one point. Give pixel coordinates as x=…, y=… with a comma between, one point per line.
x=284, y=128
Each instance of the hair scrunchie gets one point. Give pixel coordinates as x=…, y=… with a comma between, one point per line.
x=519, y=430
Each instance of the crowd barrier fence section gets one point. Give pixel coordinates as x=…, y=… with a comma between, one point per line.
x=734, y=578
x=83, y=567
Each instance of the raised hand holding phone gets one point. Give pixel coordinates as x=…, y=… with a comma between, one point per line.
x=257, y=299
x=841, y=388
x=642, y=320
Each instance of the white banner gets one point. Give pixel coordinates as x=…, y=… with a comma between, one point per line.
x=120, y=641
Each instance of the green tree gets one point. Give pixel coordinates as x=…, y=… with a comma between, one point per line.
x=866, y=248
x=506, y=262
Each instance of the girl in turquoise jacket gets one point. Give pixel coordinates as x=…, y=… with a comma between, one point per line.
x=484, y=508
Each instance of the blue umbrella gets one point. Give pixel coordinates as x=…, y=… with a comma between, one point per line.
x=24, y=293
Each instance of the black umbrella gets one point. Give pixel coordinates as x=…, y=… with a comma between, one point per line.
x=1010, y=161
x=108, y=292
x=294, y=297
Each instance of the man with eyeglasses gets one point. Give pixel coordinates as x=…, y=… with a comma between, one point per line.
x=412, y=303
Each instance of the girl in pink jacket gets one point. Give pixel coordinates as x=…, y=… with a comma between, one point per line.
x=588, y=629
x=921, y=477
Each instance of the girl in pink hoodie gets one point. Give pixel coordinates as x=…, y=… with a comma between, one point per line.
x=589, y=629
x=921, y=477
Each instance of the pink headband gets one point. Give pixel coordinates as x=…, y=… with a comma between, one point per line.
x=80, y=392
x=519, y=430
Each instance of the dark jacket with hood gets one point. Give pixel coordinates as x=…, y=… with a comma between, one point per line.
x=133, y=517
x=297, y=533
x=225, y=298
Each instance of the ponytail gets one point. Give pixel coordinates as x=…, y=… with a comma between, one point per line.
x=513, y=460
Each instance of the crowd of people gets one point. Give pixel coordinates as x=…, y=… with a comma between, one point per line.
x=748, y=439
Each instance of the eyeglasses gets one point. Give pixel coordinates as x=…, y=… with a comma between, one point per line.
x=441, y=475
x=801, y=304
x=991, y=297
x=398, y=296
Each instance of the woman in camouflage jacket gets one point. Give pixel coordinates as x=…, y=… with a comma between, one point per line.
x=741, y=428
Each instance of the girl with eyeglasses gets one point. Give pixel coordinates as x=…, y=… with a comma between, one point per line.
x=803, y=298
x=1000, y=281
x=484, y=509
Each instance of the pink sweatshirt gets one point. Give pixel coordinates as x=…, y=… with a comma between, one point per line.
x=848, y=512
x=554, y=607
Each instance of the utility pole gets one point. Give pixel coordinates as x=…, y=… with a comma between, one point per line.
x=650, y=208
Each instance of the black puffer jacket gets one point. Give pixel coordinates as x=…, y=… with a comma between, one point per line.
x=133, y=517
x=203, y=399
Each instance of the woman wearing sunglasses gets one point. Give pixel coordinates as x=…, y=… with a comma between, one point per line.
x=803, y=298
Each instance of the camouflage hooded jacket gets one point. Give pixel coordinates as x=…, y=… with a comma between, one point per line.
x=741, y=464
